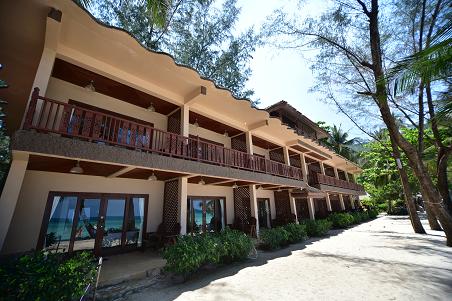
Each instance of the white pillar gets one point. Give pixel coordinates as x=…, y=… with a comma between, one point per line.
x=183, y=187
x=336, y=174
x=45, y=66
x=11, y=190
x=341, y=199
x=311, y=208
x=253, y=201
x=286, y=155
x=322, y=168
x=304, y=167
x=249, y=142
x=184, y=120
x=352, y=203
x=346, y=176
x=328, y=202
x=293, y=208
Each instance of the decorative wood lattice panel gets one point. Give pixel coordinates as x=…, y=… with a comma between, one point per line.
x=242, y=204
x=277, y=155
x=282, y=203
x=321, y=211
x=171, y=206
x=335, y=203
x=174, y=122
x=239, y=143
x=302, y=208
x=356, y=204
x=295, y=161
x=347, y=202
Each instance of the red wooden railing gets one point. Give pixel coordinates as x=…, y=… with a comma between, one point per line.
x=318, y=178
x=48, y=115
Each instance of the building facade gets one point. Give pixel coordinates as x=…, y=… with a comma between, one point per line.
x=111, y=141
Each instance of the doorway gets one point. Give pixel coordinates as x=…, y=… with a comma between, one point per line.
x=264, y=213
x=206, y=214
x=105, y=223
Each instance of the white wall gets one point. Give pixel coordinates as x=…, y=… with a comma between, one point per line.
x=211, y=190
x=261, y=151
x=63, y=91
x=26, y=223
x=211, y=135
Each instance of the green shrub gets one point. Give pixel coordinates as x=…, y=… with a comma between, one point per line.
x=274, y=238
x=318, y=227
x=297, y=232
x=383, y=207
x=359, y=217
x=341, y=220
x=41, y=276
x=189, y=253
x=372, y=213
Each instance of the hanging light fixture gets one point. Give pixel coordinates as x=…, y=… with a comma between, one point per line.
x=90, y=87
x=235, y=185
x=152, y=177
x=226, y=134
x=196, y=124
x=76, y=169
x=201, y=182
x=151, y=108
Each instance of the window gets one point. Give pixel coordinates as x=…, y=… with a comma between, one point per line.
x=205, y=214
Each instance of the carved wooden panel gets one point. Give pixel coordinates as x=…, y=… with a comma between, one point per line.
x=347, y=202
x=239, y=143
x=174, y=122
x=282, y=203
x=242, y=204
x=321, y=210
x=277, y=155
x=295, y=161
x=171, y=206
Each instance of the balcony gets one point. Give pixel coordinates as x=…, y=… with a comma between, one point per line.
x=50, y=116
x=317, y=179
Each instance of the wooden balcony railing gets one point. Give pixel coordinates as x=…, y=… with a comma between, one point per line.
x=318, y=178
x=51, y=116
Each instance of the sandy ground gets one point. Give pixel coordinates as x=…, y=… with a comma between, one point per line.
x=378, y=260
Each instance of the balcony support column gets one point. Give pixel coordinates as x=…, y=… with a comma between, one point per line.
x=184, y=120
x=183, y=183
x=10, y=193
x=304, y=167
x=341, y=199
x=328, y=202
x=352, y=201
x=336, y=174
x=311, y=208
x=322, y=168
x=249, y=142
x=286, y=155
x=254, y=212
x=293, y=208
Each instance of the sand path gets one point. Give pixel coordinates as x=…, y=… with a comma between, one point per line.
x=378, y=260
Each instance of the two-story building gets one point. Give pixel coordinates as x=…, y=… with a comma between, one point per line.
x=111, y=140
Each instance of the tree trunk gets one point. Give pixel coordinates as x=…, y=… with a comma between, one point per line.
x=431, y=216
x=415, y=161
x=443, y=153
x=410, y=205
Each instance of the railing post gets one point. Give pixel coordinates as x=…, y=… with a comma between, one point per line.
x=31, y=109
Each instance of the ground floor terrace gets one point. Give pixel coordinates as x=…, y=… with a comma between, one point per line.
x=85, y=205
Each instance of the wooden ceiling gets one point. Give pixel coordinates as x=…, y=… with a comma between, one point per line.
x=104, y=85
x=144, y=174
x=262, y=143
x=213, y=125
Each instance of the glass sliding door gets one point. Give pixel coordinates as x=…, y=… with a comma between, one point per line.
x=59, y=228
x=113, y=225
x=88, y=221
x=205, y=214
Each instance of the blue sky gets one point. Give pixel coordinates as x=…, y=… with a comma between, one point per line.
x=285, y=74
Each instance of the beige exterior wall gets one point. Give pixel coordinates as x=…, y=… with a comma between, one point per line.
x=211, y=190
x=261, y=151
x=268, y=194
x=26, y=223
x=211, y=135
x=63, y=91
